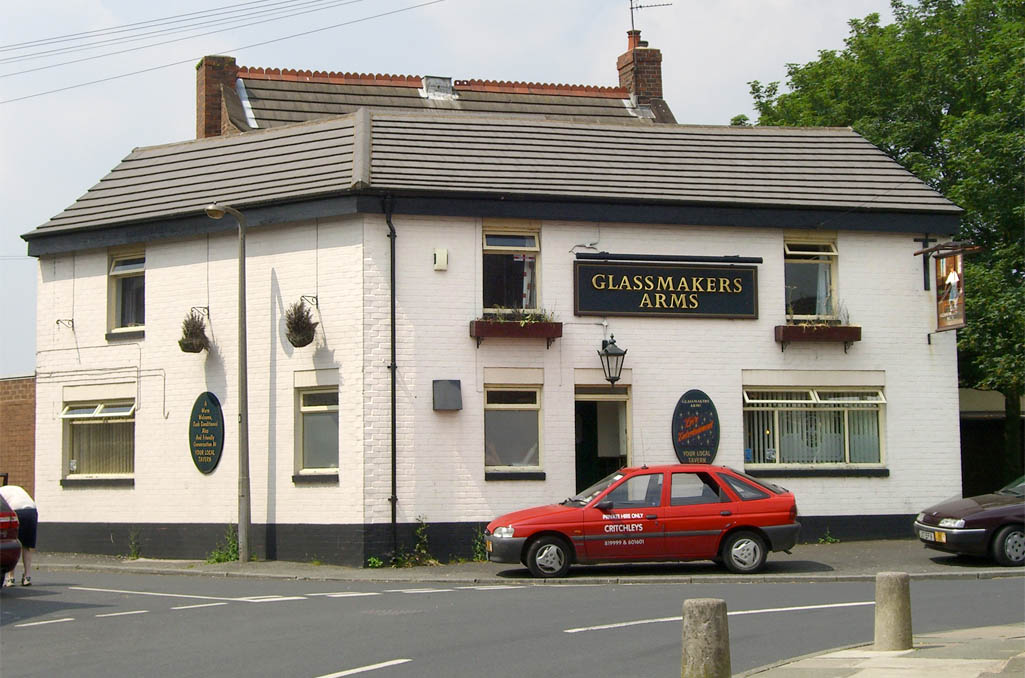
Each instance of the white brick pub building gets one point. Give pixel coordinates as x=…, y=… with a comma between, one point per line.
x=617, y=225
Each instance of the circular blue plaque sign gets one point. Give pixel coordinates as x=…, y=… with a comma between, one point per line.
x=206, y=432
x=695, y=428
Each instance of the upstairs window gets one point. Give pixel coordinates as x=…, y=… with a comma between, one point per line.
x=127, y=285
x=810, y=272
x=99, y=438
x=510, y=265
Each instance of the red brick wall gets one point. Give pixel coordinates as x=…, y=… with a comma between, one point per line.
x=18, y=431
x=640, y=72
x=211, y=73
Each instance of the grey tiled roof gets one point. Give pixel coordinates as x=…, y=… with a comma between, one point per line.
x=820, y=168
x=281, y=102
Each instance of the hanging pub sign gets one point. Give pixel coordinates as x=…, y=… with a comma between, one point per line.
x=695, y=428
x=664, y=289
x=949, y=293
x=206, y=432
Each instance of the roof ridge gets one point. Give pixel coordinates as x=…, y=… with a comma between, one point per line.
x=294, y=75
x=520, y=87
x=393, y=80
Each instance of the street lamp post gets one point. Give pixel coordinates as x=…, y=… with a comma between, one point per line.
x=216, y=211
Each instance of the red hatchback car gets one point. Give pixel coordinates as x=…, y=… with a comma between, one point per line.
x=10, y=547
x=679, y=512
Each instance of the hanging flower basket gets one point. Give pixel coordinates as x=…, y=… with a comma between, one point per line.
x=299, y=326
x=194, y=339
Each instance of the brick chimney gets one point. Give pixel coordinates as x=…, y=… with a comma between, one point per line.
x=211, y=73
x=640, y=69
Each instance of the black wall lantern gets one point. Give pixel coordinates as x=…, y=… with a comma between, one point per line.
x=611, y=359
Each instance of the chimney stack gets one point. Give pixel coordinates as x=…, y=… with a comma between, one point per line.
x=211, y=73
x=640, y=69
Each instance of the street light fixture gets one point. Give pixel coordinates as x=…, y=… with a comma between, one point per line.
x=216, y=211
x=611, y=359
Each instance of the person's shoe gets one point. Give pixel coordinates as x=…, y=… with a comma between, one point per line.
x=9, y=581
x=26, y=581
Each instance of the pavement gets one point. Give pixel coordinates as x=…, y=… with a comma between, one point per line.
x=965, y=653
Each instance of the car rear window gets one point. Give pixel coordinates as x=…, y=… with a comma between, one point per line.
x=746, y=491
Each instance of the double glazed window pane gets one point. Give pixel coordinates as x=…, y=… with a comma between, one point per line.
x=511, y=438
x=510, y=281
x=102, y=447
x=131, y=308
x=320, y=440
x=809, y=288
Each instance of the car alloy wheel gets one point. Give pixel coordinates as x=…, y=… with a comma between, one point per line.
x=1009, y=546
x=744, y=552
x=548, y=557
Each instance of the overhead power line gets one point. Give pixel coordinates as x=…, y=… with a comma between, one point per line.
x=126, y=27
x=284, y=12
x=334, y=3
x=236, y=49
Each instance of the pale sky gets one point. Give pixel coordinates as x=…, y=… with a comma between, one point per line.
x=54, y=147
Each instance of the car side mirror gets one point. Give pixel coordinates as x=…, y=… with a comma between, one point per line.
x=604, y=505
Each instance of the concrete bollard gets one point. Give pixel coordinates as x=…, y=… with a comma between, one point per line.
x=706, y=639
x=893, y=611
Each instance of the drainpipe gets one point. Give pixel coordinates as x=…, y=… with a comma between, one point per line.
x=394, y=498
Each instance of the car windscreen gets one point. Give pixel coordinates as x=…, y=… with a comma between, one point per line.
x=594, y=490
x=1015, y=489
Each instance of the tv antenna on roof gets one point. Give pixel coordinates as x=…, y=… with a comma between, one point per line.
x=634, y=7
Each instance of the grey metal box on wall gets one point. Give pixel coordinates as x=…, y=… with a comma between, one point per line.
x=447, y=395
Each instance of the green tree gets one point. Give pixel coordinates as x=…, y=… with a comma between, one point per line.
x=942, y=91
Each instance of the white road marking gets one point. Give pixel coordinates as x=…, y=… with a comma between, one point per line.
x=48, y=621
x=737, y=613
x=148, y=593
x=268, y=599
x=346, y=594
x=364, y=669
x=416, y=590
x=193, y=607
x=494, y=587
x=122, y=614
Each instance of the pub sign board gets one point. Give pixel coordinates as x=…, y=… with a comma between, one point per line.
x=695, y=428
x=664, y=289
x=206, y=432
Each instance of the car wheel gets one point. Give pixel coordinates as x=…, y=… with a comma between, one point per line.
x=548, y=557
x=743, y=552
x=1009, y=545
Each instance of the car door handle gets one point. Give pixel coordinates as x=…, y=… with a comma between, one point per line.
x=726, y=513
x=651, y=516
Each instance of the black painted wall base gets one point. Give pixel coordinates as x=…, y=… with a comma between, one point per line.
x=353, y=545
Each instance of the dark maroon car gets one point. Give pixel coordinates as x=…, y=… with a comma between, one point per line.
x=988, y=525
x=10, y=547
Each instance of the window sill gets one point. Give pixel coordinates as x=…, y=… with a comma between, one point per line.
x=97, y=481
x=125, y=335
x=315, y=479
x=805, y=472
x=514, y=475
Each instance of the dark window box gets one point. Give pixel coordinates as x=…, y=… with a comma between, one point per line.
x=848, y=334
x=315, y=479
x=481, y=329
x=514, y=475
x=72, y=481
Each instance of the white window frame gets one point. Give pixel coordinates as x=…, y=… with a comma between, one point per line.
x=536, y=407
x=95, y=413
x=301, y=409
x=114, y=277
x=816, y=402
x=809, y=250
x=522, y=229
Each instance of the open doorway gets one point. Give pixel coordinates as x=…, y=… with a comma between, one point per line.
x=602, y=433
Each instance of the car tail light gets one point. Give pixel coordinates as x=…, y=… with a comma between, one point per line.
x=9, y=526
x=793, y=512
